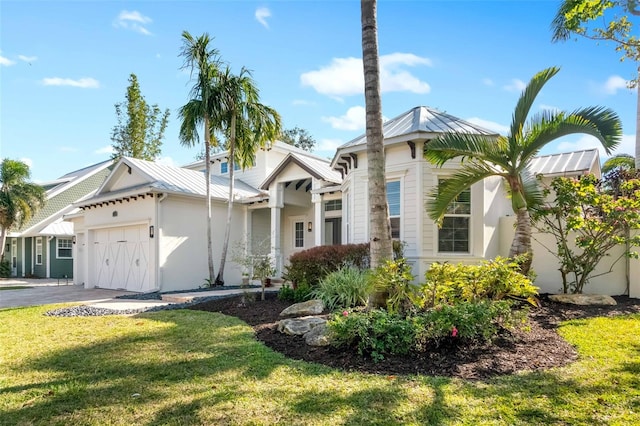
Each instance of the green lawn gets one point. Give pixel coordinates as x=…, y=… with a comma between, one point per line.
x=14, y=287
x=188, y=367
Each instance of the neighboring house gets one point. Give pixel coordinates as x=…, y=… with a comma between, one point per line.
x=43, y=247
x=145, y=228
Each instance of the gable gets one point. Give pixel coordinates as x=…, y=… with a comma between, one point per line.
x=123, y=177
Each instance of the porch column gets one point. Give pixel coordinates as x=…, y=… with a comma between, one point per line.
x=276, y=203
x=318, y=218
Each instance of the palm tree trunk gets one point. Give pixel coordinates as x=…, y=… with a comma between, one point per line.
x=380, y=230
x=3, y=239
x=521, y=244
x=207, y=159
x=227, y=232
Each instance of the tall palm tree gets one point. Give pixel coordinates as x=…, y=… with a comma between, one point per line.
x=381, y=248
x=19, y=198
x=510, y=156
x=203, y=63
x=248, y=125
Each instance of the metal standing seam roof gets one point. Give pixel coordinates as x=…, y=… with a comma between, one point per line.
x=180, y=180
x=423, y=119
x=577, y=162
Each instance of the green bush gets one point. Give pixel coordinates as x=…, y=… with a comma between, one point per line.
x=5, y=269
x=493, y=280
x=395, y=281
x=299, y=294
x=345, y=288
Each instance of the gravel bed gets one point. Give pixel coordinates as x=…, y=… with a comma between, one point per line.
x=158, y=296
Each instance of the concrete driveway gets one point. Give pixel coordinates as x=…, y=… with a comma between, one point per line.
x=44, y=292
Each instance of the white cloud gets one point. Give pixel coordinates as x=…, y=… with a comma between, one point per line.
x=84, y=83
x=27, y=161
x=487, y=82
x=490, y=125
x=166, y=161
x=344, y=76
x=354, y=119
x=551, y=108
x=613, y=84
x=27, y=58
x=6, y=62
x=329, y=145
x=516, y=85
x=104, y=150
x=627, y=145
x=262, y=13
x=134, y=21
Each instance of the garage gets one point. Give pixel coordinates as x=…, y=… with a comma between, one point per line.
x=121, y=258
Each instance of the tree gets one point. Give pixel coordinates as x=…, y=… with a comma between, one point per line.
x=19, y=198
x=203, y=63
x=510, y=156
x=623, y=161
x=604, y=21
x=140, y=127
x=247, y=125
x=380, y=228
x=299, y=138
x=586, y=223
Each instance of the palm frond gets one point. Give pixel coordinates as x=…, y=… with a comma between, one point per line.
x=450, y=187
x=526, y=100
x=453, y=145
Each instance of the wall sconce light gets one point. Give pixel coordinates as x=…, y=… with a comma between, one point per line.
x=73, y=239
x=310, y=226
x=151, y=231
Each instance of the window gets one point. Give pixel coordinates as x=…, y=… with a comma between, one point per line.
x=453, y=236
x=65, y=248
x=39, y=251
x=299, y=234
x=224, y=167
x=393, y=200
x=333, y=205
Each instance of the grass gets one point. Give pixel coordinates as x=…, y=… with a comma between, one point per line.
x=189, y=367
x=15, y=287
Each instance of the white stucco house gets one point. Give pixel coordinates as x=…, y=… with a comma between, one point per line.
x=145, y=228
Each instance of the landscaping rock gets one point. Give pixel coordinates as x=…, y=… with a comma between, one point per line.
x=318, y=336
x=583, y=299
x=299, y=326
x=310, y=307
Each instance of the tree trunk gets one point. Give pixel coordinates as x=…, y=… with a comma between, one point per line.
x=227, y=232
x=3, y=239
x=521, y=244
x=207, y=160
x=380, y=230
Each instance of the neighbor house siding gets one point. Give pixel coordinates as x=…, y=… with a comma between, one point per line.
x=40, y=271
x=28, y=255
x=59, y=268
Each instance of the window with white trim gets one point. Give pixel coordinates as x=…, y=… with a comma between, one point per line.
x=298, y=230
x=393, y=200
x=64, y=248
x=453, y=235
x=224, y=167
x=39, y=251
x=333, y=205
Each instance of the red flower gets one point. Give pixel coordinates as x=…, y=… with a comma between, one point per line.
x=454, y=331
x=345, y=313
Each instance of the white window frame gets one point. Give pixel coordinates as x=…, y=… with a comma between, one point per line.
x=295, y=234
x=400, y=215
x=70, y=248
x=236, y=167
x=38, y=251
x=469, y=217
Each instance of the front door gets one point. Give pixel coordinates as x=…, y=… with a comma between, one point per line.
x=333, y=231
x=14, y=257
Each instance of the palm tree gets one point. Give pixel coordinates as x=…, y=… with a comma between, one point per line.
x=202, y=61
x=619, y=161
x=509, y=156
x=19, y=198
x=248, y=125
x=381, y=248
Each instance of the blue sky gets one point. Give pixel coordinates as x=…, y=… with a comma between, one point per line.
x=63, y=66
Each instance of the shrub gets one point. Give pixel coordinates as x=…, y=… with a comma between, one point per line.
x=299, y=294
x=314, y=264
x=345, y=288
x=394, y=279
x=493, y=280
x=5, y=269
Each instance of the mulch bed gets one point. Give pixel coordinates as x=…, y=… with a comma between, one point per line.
x=539, y=349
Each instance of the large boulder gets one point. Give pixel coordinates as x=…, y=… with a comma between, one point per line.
x=310, y=307
x=318, y=336
x=299, y=326
x=583, y=299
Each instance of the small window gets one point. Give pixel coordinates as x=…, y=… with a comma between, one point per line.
x=299, y=234
x=39, y=251
x=453, y=235
x=224, y=167
x=333, y=205
x=393, y=200
x=65, y=248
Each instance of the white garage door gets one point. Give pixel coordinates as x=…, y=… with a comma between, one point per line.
x=121, y=257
